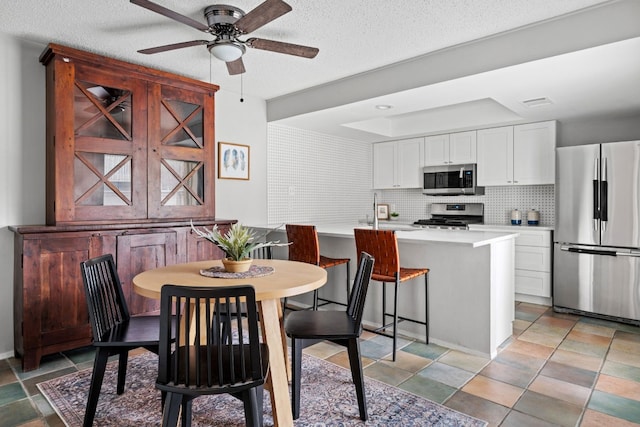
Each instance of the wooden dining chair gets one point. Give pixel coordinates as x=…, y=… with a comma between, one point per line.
x=114, y=330
x=383, y=246
x=341, y=327
x=203, y=362
x=305, y=247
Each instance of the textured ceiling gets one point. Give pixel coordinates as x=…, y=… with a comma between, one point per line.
x=353, y=36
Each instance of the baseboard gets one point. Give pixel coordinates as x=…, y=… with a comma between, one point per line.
x=7, y=355
x=532, y=299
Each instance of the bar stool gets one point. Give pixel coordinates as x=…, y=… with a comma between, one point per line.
x=305, y=247
x=383, y=246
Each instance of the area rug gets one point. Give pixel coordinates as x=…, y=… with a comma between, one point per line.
x=328, y=398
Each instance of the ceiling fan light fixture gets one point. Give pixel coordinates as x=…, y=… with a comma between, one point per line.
x=227, y=51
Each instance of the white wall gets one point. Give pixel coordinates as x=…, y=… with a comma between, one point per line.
x=22, y=160
x=243, y=123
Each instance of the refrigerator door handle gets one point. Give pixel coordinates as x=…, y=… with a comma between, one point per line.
x=596, y=204
x=630, y=254
x=604, y=188
x=588, y=251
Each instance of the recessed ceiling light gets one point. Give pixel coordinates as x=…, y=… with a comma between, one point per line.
x=384, y=107
x=537, y=102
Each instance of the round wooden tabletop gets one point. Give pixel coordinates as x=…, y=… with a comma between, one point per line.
x=288, y=279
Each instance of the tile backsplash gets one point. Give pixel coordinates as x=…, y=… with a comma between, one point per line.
x=498, y=202
x=312, y=177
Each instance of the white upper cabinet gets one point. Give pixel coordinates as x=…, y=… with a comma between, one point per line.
x=495, y=156
x=534, y=156
x=436, y=150
x=455, y=148
x=398, y=164
x=517, y=155
x=384, y=173
x=462, y=148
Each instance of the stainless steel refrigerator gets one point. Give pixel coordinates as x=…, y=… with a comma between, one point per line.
x=597, y=231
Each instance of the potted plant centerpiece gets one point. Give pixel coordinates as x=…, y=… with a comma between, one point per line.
x=394, y=216
x=237, y=244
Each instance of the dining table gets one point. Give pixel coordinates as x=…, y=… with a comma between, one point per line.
x=284, y=279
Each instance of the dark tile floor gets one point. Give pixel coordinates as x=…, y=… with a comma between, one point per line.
x=557, y=369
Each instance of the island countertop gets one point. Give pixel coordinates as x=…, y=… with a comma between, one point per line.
x=410, y=234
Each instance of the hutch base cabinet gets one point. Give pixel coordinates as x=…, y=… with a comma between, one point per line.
x=50, y=310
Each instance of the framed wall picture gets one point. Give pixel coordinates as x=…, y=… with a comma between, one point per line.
x=233, y=161
x=383, y=211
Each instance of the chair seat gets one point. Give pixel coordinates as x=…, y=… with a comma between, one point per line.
x=405, y=274
x=326, y=262
x=139, y=331
x=321, y=325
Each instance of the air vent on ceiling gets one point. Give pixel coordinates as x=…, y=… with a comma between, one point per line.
x=537, y=102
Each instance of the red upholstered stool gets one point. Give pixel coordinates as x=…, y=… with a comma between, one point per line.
x=383, y=246
x=305, y=247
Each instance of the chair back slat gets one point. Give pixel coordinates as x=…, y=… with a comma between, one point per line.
x=304, y=245
x=205, y=356
x=105, y=299
x=262, y=253
x=383, y=246
x=358, y=296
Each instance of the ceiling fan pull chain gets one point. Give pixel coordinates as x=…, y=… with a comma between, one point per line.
x=241, y=89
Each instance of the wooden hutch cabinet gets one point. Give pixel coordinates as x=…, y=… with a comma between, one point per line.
x=126, y=143
x=130, y=161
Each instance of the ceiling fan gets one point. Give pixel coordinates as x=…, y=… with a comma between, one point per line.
x=226, y=24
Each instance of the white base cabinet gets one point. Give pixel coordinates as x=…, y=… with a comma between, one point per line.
x=398, y=164
x=532, y=262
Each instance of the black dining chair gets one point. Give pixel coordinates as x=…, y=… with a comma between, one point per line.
x=114, y=330
x=203, y=362
x=341, y=327
x=260, y=253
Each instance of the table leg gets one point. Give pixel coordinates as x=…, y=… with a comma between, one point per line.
x=277, y=380
x=285, y=348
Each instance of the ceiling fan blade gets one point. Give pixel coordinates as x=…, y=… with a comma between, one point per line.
x=173, y=46
x=171, y=14
x=262, y=14
x=235, y=67
x=282, y=47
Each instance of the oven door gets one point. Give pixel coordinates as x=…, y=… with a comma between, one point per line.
x=449, y=180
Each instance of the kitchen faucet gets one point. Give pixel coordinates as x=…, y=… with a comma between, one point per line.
x=375, y=211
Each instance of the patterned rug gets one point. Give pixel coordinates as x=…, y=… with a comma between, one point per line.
x=328, y=398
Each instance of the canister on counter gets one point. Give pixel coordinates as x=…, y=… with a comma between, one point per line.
x=516, y=217
x=533, y=217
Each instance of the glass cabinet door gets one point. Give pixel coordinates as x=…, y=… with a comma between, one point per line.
x=181, y=153
x=107, y=177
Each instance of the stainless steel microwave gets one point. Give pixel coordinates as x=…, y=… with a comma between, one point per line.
x=450, y=180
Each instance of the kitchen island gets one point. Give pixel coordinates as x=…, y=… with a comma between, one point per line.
x=471, y=283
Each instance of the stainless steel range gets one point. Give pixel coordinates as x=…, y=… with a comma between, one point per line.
x=453, y=216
